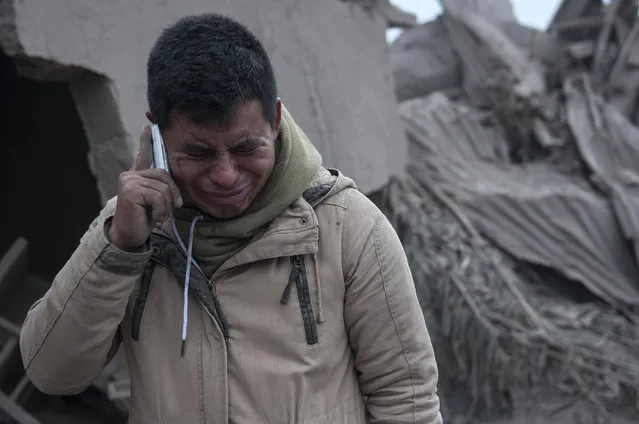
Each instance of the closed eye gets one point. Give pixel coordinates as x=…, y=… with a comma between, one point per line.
x=244, y=150
x=197, y=153
x=247, y=147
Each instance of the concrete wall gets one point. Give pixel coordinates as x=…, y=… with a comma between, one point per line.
x=330, y=59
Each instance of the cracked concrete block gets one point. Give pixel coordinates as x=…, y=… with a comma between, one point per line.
x=424, y=61
x=330, y=59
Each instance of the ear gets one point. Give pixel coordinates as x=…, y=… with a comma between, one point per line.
x=278, y=117
x=149, y=117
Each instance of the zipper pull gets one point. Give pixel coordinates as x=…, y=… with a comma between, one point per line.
x=212, y=287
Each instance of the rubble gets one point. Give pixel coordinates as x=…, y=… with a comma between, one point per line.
x=20, y=401
x=425, y=60
x=523, y=187
x=13, y=272
x=494, y=11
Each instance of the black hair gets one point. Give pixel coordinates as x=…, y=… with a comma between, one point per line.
x=205, y=66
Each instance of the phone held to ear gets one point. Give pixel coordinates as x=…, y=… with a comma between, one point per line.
x=160, y=159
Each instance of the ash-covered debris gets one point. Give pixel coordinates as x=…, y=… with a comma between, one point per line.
x=520, y=213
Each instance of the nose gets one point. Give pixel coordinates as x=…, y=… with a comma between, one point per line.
x=224, y=172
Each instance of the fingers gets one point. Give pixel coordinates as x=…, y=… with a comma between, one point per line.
x=160, y=208
x=164, y=177
x=134, y=185
x=164, y=205
x=155, y=203
x=144, y=158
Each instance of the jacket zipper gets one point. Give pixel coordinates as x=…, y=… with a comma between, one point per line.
x=212, y=287
x=215, y=314
x=298, y=276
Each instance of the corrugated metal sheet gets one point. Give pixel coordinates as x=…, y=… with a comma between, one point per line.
x=609, y=144
x=534, y=212
x=607, y=141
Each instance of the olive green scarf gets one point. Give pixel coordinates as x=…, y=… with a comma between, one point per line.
x=296, y=164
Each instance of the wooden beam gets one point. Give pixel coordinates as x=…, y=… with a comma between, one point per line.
x=568, y=11
x=7, y=354
x=14, y=266
x=578, y=23
x=9, y=327
x=626, y=49
x=604, y=36
x=396, y=17
x=15, y=411
x=622, y=29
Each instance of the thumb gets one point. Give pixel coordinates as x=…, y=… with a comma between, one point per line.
x=144, y=158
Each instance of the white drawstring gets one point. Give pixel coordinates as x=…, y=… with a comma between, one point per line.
x=187, y=277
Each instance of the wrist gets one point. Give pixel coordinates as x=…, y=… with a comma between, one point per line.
x=112, y=235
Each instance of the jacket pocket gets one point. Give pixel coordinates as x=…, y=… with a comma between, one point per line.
x=299, y=277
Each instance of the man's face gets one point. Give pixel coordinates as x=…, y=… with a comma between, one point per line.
x=221, y=169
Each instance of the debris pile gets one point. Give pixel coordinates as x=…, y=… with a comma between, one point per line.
x=520, y=211
x=20, y=401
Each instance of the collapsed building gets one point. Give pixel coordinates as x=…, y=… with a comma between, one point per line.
x=515, y=195
x=519, y=210
x=72, y=93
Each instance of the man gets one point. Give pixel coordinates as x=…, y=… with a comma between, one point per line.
x=249, y=284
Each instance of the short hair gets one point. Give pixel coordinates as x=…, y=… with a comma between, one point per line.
x=205, y=66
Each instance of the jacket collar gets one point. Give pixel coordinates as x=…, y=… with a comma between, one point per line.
x=294, y=232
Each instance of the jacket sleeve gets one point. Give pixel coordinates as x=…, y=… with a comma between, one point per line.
x=387, y=331
x=71, y=333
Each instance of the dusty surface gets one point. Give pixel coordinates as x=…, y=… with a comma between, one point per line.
x=330, y=59
x=494, y=11
x=519, y=211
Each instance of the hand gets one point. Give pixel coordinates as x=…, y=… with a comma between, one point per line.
x=146, y=197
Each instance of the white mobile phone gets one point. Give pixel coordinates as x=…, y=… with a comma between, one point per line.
x=160, y=159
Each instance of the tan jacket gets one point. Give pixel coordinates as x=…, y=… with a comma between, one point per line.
x=317, y=321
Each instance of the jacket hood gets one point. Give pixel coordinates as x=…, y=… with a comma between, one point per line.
x=327, y=183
